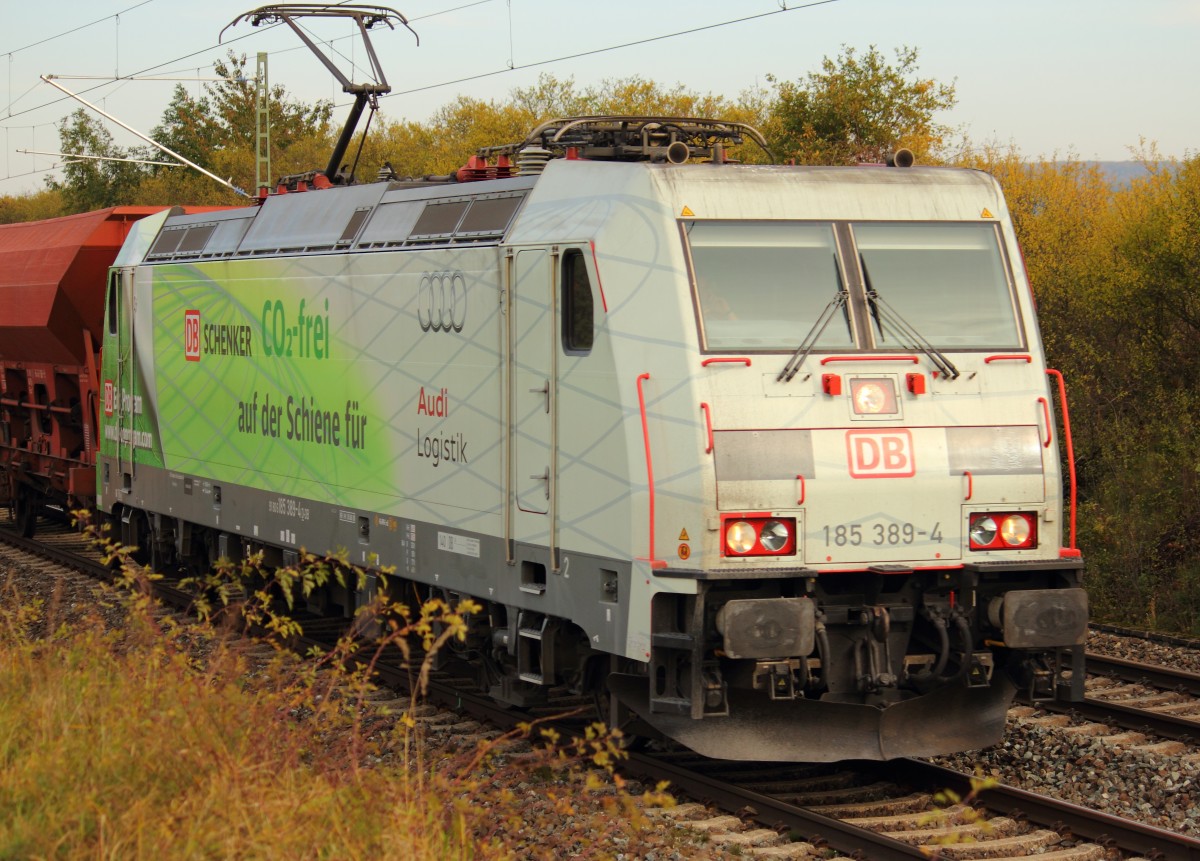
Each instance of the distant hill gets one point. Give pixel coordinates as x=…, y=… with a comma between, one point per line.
x=1122, y=172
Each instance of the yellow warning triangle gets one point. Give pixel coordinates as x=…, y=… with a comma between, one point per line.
x=987, y=213
x=687, y=211
x=683, y=536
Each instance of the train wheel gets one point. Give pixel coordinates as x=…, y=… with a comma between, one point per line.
x=27, y=509
x=636, y=735
x=161, y=556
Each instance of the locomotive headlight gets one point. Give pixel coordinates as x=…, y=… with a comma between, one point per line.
x=1014, y=530
x=868, y=398
x=774, y=536
x=740, y=537
x=983, y=531
x=759, y=534
x=873, y=397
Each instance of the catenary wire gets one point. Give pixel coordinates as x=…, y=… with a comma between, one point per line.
x=75, y=29
x=534, y=64
x=604, y=50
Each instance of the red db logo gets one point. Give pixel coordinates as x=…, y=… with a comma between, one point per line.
x=191, y=335
x=880, y=454
x=108, y=397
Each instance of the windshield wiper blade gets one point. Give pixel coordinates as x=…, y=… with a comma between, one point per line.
x=814, y=334
x=885, y=313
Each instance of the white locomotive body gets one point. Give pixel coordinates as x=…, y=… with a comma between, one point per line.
x=765, y=453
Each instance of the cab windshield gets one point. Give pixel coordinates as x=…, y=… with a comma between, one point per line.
x=947, y=281
x=762, y=285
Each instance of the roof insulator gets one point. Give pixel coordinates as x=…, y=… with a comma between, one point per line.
x=532, y=160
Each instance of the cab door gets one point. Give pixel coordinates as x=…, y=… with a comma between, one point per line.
x=119, y=389
x=532, y=396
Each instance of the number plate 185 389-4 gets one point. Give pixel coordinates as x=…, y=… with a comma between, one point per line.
x=879, y=533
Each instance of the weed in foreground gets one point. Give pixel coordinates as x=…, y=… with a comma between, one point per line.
x=955, y=810
x=153, y=739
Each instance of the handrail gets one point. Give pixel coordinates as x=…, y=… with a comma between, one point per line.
x=831, y=359
x=1007, y=357
x=803, y=489
x=708, y=426
x=654, y=563
x=718, y=359
x=1046, y=412
x=1066, y=414
x=970, y=485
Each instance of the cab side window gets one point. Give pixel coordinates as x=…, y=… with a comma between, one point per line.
x=578, y=311
x=112, y=304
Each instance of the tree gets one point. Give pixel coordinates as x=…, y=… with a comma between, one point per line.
x=47, y=203
x=1113, y=268
x=91, y=183
x=217, y=130
x=860, y=109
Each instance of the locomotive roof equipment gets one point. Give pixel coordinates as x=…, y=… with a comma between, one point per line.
x=636, y=138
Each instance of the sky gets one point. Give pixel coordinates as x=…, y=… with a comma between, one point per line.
x=1053, y=78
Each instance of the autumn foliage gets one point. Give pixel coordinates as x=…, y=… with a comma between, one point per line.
x=1113, y=265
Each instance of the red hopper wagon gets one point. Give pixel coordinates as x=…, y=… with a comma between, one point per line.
x=52, y=281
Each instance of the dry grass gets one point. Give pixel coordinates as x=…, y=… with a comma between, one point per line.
x=154, y=740
x=122, y=745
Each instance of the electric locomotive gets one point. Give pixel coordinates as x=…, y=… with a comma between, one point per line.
x=764, y=455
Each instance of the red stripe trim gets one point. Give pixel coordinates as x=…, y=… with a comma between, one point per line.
x=599, y=284
x=654, y=563
x=1066, y=414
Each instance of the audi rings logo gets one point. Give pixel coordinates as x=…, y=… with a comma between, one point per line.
x=442, y=302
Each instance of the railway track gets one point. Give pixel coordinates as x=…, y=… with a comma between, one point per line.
x=869, y=810
x=1141, y=698
x=888, y=811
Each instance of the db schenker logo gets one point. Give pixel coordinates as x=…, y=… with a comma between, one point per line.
x=191, y=335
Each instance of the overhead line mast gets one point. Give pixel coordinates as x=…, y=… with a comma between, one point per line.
x=262, y=131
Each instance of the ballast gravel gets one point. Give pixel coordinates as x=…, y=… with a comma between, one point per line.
x=1124, y=779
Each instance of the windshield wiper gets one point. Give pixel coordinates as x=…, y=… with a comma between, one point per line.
x=886, y=314
x=814, y=335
